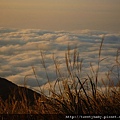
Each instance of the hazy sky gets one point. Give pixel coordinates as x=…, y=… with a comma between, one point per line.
x=61, y=14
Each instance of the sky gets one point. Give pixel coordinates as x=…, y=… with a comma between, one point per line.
x=30, y=26
x=70, y=15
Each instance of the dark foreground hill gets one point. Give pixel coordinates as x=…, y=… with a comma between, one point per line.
x=9, y=90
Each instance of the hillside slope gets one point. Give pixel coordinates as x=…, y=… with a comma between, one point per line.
x=9, y=90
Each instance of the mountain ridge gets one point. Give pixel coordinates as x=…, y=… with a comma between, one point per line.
x=9, y=90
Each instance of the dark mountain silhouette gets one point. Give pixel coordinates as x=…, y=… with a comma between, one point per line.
x=9, y=91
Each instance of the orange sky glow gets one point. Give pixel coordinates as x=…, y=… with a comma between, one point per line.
x=61, y=14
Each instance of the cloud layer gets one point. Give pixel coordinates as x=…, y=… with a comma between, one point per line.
x=20, y=52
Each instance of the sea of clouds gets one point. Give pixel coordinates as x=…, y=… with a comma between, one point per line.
x=20, y=53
